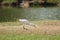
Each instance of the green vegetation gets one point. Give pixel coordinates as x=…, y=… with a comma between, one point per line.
x=35, y=0
x=9, y=1
x=28, y=37
x=54, y=0
x=10, y=14
x=10, y=35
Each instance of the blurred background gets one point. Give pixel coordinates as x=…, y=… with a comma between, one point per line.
x=12, y=10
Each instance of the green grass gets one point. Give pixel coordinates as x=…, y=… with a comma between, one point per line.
x=14, y=36
x=40, y=22
x=28, y=37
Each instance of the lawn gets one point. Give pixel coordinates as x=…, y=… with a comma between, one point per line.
x=48, y=30
x=28, y=37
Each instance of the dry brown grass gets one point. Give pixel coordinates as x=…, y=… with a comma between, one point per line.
x=43, y=27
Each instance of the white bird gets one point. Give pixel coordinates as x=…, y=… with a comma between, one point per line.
x=26, y=22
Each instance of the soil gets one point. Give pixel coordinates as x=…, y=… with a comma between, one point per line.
x=40, y=28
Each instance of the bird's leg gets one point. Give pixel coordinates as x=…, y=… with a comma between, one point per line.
x=24, y=27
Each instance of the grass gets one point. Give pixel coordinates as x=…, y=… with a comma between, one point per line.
x=9, y=27
x=28, y=37
x=41, y=22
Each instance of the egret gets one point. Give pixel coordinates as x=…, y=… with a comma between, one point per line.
x=26, y=22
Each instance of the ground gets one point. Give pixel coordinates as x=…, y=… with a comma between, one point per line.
x=42, y=27
x=44, y=30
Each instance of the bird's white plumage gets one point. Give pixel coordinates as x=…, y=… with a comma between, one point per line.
x=26, y=22
x=23, y=20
